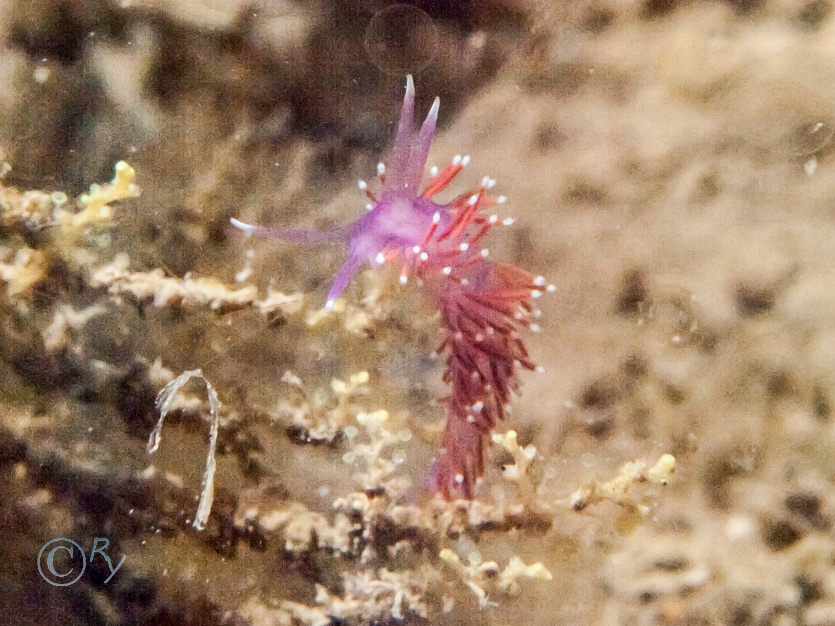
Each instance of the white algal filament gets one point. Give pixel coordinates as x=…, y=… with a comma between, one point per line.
x=164, y=402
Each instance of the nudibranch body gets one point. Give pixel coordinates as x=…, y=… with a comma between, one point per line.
x=484, y=305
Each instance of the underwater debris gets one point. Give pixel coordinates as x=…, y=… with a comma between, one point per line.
x=484, y=305
x=164, y=403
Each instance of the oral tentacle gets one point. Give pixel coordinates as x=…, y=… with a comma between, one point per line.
x=291, y=235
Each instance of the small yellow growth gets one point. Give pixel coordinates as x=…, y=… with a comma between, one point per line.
x=450, y=558
x=358, y=321
x=522, y=456
x=518, y=471
x=27, y=268
x=619, y=488
x=95, y=203
x=662, y=470
x=478, y=575
x=36, y=210
x=376, y=452
x=354, y=383
x=315, y=412
x=373, y=421
x=516, y=569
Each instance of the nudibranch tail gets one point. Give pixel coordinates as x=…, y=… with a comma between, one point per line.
x=484, y=307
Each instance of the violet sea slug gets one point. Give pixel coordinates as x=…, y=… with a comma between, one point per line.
x=484, y=305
